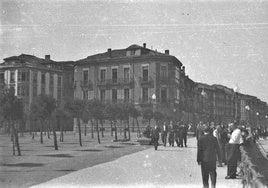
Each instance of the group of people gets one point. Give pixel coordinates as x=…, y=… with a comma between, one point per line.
x=215, y=145
x=219, y=144
x=170, y=134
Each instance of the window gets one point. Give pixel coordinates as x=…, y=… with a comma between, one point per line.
x=59, y=93
x=35, y=77
x=163, y=94
x=114, y=95
x=43, y=78
x=126, y=94
x=51, y=85
x=85, y=94
x=34, y=90
x=102, y=75
x=102, y=95
x=126, y=74
x=59, y=81
x=12, y=77
x=85, y=76
x=114, y=75
x=144, y=94
x=145, y=73
x=22, y=76
x=19, y=91
x=22, y=91
x=2, y=77
x=132, y=52
x=163, y=71
x=59, y=88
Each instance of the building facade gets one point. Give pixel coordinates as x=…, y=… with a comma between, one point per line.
x=134, y=75
x=31, y=76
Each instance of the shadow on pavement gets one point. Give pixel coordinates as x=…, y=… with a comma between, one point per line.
x=90, y=150
x=114, y=146
x=66, y=170
x=24, y=165
x=56, y=155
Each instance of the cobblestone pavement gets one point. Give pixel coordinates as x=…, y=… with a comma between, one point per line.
x=167, y=167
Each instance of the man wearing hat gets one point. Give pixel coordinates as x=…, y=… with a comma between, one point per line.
x=207, y=152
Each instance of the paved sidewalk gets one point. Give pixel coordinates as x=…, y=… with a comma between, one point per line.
x=167, y=167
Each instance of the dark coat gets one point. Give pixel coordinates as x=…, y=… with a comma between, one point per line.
x=207, y=149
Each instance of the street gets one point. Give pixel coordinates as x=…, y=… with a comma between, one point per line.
x=166, y=167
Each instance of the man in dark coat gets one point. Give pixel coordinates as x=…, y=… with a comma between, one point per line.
x=207, y=152
x=171, y=134
x=184, y=134
x=155, y=136
x=180, y=132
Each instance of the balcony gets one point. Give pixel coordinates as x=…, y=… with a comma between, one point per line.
x=86, y=85
x=119, y=82
x=146, y=82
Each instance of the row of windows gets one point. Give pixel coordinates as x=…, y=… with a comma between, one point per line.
x=24, y=76
x=126, y=95
x=145, y=73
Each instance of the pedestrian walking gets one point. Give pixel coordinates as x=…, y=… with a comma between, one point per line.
x=224, y=143
x=155, y=136
x=171, y=134
x=164, y=134
x=176, y=133
x=180, y=131
x=234, y=152
x=207, y=153
x=184, y=134
x=199, y=130
x=217, y=134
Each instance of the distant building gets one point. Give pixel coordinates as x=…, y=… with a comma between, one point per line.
x=31, y=76
x=135, y=74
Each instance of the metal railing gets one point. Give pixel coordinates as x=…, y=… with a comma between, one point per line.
x=250, y=176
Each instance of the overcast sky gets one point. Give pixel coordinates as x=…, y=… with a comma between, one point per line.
x=223, y=42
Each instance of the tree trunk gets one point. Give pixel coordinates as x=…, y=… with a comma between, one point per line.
x=13, y=143
x=133, y=125
x=41, y=133
x=79, y=131
x=128, y=126
x=55, y=139
x=102, y=130
x=61, y=134
x=48, y=134
x=125, y=131
x=16, y=136
x=61, y=130
x=85, y=133
x=121, y=127
x=112, y=128
x=139, y=131
x=92, y=128
x=115, y=131
x=98, y=133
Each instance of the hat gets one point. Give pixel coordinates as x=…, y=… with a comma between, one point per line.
x=206, y=129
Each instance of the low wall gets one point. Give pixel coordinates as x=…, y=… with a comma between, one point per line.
x=251, y=178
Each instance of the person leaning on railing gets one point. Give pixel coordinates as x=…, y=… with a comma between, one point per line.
x=234, y=151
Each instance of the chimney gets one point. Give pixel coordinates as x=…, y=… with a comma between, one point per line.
x=109, y=52
x=144, y=45
x=167, y=52
x=47, y=57
x=183, y=69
